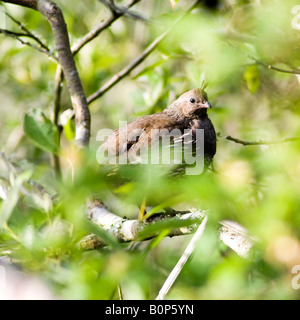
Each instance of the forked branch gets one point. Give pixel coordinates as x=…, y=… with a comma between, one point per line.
x=55, y=17
x=137, y=61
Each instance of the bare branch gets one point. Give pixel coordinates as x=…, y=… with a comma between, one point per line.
x=76, y=48
x=99, y=28
x=28, y=32
x=82, y=115
x=117, y=11
x=24, y=3
x=125, y=230
x=262, y=142
x=57, y=94
x=17, y=35
x=257, y=61
x=127, y=70
x=55, y=116
x=55, y=17
x=269, y=66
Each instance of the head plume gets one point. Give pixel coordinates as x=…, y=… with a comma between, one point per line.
x=203, y=85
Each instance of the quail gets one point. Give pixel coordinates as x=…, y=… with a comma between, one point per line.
x=179, y=121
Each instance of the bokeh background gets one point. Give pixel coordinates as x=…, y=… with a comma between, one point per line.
x=228, y=44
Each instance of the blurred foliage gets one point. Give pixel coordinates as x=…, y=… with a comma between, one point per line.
x=257, y=186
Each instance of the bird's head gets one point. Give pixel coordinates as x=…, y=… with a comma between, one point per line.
x=190, y=105
x=193, y=103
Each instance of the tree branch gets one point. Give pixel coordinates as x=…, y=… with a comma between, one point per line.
x=117, y=11
x=99, y=28
x=82, y=115
x=178, y=223
x=257, y=61
x=262, y=142
x=127, y=70
x=28, y=32
x=75, y=49
x=125, y=230
x=269, y=66
x=24, y=3
x=55, y=17
x=17, y=35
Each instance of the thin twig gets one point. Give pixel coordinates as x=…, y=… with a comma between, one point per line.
x=264, y=64
x=55, y=117
x=28, y=32
x=56, y=108
x=17, y=35
x=99, y=28
x=117, y=11
x=127, y=70
x=269, y=66
x=59, y=77
x=262, y=142
x=182, y=261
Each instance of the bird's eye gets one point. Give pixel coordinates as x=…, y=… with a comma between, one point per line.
x=192, y=100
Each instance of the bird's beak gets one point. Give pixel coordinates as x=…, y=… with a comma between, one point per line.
x=206, y=105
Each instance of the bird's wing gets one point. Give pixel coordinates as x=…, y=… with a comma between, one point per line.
x=140, y=135
x=157, y=130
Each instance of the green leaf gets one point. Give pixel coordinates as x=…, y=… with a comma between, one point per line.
x=69, y=129
x=66, y=120
x=41, y=131
x=153, y=229
x=252, y=78
x=104, y=235
x=126, y=188
x=13, y=197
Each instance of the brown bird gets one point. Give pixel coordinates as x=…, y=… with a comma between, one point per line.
x=179, y=121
